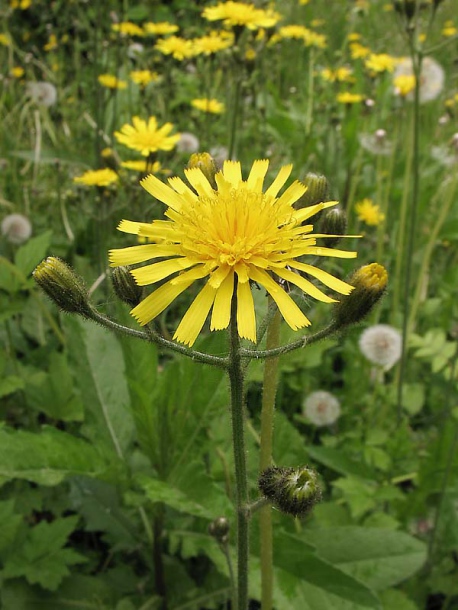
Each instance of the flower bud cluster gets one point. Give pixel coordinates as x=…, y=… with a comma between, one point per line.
x=292, y=490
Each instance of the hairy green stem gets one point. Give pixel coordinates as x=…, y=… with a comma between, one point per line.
x=238, y=440
x=265, y=460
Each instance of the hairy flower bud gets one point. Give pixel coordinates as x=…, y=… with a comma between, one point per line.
x=125, y=287
x=205, y=162
x=370, y=284
x=219, y=529
x=334, y=223
x=317, y=190
x=63, y=286
x=292, y=490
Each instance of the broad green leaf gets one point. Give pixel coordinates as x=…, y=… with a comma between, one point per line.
x=392, y=598
x=42, y=559
x=339, y=461
x=47, y=457
x=10, y=522
x=100, y=374
x=9, y=385
x=357, y=493
x=380, y=558
x=32, y=253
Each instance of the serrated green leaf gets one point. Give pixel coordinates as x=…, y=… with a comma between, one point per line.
x=47, y=457
x=380, y=558
x=42, y=559
x=30, y=254
x=10, y=522
x=9, y=385
x=392, y=598
x=339, y=461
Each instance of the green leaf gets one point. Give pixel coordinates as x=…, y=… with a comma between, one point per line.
x=380, y=558
x=339, y=461
x=30, y=254
x=392, y=598
x=42, y=559
x=53, y=392
x=99, y=368
x=9, y=385
x=10, y=522
x=48, y=457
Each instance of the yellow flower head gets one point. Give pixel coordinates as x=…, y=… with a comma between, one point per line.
x=178, y=48
x=161, y=28
x=234, y=234
x=241, y=14
x=97, y=177
x=127, y=28
x=213, y=42
x=142, y=166
x=369, y=212
x=342, y=74
x=208, y=105
x=380, y=62
x=449, y=29
x=359, y=51
x=5, y=40
x=111, y=82
x=346, y=97
x=51, y=44
x=404, y=84
x=17, y=72
x=146, y=137
x=144, y=77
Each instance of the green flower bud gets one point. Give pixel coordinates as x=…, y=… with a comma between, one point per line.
x=294, y=491
x=219, y=529
x=63, y=286
x=317, y=190
x=334, y=222
x=125, y=286
x=206, y=163
x=369, y=286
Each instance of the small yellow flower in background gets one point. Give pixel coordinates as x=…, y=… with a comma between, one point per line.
x=250, y=54
x=313, y=39
x=97, y=177
x=304, y=2
x=233, y=234
x=161, y=28
x=346, y=97
x=127, y=28
x=353, y=37
x=111, y=82
x=142, y=166
x=178, y=48
x=17, y=72
x=359, y=51
x=300, y=32
x=432, y=78
x=213, y=42
x=369, y=212
x=316, y=23
x=340, y=75
x=5, y=40
x=449, y=29
x=404, y=84
x=146, y=137
x=240, y=14
x=20, y=4
x=144, y=77
x=212, y=106
x=51, y=44
x=380, y=62
x=293, y=31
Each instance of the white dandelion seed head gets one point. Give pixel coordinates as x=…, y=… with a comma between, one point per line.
x=188, y=143
x=381, y=344
x=134, y=50
x=377, y=143
x=219, y=154
x=42, y=93
x=16, y=228
x=432, y=78
x=321, y=408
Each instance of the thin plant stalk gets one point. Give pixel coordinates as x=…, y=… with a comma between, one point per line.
x=238, y=439
x=267, y=424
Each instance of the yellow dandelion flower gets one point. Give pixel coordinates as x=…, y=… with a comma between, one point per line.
x=51, y=45
x=233, y=235
x=250, y=54
x=341, y=75
x=303, y=2
x=5, y=40
x=353, y=37
x=146, y=137
x=212, y=43
x=17, y=72
x=111, y=82
x=127, y=28
x=161, y=28
x=449, y=29
x=359, y=51
x=97, y=177
x=346, y=97
x=241, y=14
x=20, y=4
x=404, y=84
x=299, y=32
x=208, y=105
x=142, y=166
x=144, y=77
x=380, y=62
x=313, y=39
x=369, y=212
x=178, y=48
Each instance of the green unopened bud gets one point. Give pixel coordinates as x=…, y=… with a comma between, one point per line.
x=294, y=491
x=63, y=285
x=219, y=529
x=369, y=286
x=125, y=286
x=205, y=162
x=317, y=190
x=334, y=223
